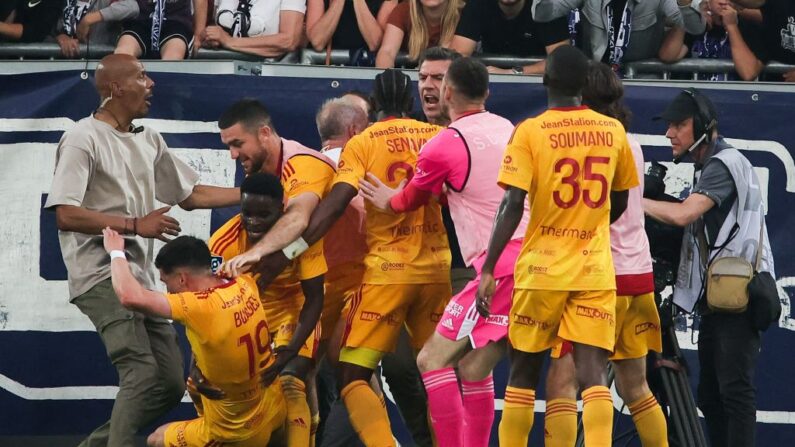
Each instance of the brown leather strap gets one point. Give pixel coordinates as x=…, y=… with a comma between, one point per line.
x=328, y=52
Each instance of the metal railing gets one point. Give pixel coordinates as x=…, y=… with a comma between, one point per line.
x=687, y=68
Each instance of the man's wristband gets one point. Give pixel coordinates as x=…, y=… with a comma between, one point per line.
x=117, y=254
x=295, y=248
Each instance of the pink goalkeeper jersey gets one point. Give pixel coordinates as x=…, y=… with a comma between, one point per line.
x=628, y=241
x=466, y=157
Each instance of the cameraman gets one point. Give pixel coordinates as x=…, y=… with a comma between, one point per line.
x=722, y=217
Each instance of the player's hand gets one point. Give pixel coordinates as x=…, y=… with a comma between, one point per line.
x=240, y=264
x=269, y=268
x=112, y=240
x=198, y=384
x=377, y=193
x=70, y=48
x=157, y=224
x=283, y=356
x=486, y=290
x=789, y=76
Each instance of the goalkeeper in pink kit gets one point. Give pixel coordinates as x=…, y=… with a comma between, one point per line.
x=462, y=163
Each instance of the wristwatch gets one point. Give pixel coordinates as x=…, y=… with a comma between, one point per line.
x=518, y=70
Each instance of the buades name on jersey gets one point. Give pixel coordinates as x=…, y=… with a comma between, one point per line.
x=242, y=316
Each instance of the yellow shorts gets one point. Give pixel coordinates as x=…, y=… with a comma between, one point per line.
x=282, y=317
x=196, y=432
x=637, y=327
x=378, y=311
x=341, y=283
x=540, y=319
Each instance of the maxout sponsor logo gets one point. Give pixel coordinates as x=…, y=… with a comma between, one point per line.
x=529, y=321
x=596, y=314
x=499, y=320
x=375, y=316
x=647, y=326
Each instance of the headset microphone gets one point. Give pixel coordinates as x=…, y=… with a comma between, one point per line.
x=684, y=154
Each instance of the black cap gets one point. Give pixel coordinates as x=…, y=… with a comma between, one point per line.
x=680, y=109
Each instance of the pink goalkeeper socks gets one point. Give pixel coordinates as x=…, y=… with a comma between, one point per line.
x=478, y=411
x=445, y=406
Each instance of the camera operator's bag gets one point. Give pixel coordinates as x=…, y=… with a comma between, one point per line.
x=730, y=281
x=727, y=278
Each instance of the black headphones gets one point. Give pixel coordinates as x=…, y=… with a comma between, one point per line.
x=705, y=120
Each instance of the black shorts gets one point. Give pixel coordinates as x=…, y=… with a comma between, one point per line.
x=172, y=29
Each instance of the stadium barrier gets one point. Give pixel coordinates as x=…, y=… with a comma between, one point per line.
x=652, y=68
x=55, y=377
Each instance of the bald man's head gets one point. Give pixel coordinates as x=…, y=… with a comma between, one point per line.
x=122, y=79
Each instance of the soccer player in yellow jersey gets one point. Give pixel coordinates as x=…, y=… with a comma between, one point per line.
x=406, y=279
x=294, y=299
x=574, y=166
x=228, y=332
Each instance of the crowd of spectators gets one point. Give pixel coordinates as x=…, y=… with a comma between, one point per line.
x=750, y=33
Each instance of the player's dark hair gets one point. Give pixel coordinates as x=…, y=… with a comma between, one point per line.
x=263, y=184
x=392, y=93
x=566, y=71
x=603, y=92
x=469, y=77
x=249, y=112
x=438, y=54
x=184, y=251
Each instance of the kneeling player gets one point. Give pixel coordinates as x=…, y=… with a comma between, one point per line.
x=292, y=303
x=228, y=334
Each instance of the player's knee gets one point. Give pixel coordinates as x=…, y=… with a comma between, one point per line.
x=426, y=361
x=632, y=387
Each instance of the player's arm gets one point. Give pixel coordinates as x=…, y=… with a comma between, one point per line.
x=618, y=204
x=130, y=292
x=508, y=217
x=678, y=214
x=289, y=227
x=402, y=199
x=206, y=196
x=310, y=312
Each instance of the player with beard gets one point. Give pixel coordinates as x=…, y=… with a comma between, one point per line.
x=294, y=300
x=463, y=338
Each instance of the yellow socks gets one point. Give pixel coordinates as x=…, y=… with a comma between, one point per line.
x=368, y=414
x=597, y=416
x=517, y=416
x=299, y=419
x=560, y=423
x=650, y=421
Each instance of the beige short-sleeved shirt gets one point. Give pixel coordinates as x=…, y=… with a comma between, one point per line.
x=120, y=173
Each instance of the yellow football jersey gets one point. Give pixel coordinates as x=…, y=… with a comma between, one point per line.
x=301, y=171
x=230, y=339
x=406, y=248
x=568, y=160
